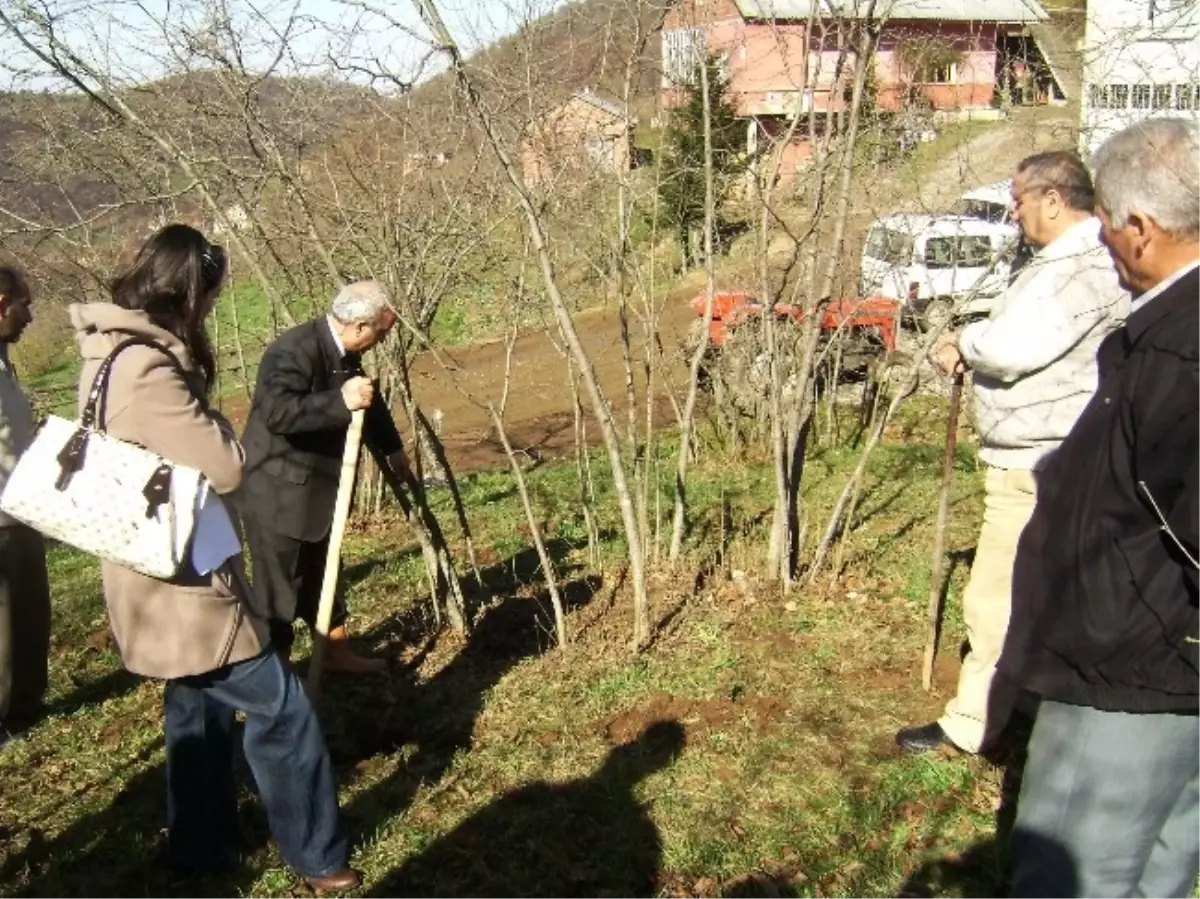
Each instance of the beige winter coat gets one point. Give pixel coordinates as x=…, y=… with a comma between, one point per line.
x=192, y=624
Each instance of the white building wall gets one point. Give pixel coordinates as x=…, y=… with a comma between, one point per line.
x=1141, y=58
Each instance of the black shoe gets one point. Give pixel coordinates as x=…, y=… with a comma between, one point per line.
x=922, y=737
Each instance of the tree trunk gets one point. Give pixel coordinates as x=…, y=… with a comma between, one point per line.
x=600, y=406
x=687, y=421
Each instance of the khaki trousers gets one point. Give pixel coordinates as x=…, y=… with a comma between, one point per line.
x=987, y=602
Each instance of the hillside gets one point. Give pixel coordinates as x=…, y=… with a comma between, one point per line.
x=64, y=160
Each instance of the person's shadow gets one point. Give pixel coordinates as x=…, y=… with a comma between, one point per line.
x=587, y=837
x=369, y=723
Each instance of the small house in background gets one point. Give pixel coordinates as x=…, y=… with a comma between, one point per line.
x=1141, y=58
x=584, y=132
x=944, y=57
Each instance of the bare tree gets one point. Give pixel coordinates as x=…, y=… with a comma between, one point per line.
x=600, y=406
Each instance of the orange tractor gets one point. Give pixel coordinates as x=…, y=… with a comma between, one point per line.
x=874, y=319
x=855, y=332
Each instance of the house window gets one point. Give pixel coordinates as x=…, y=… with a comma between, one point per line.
x=1185, y=96
x=683, y=53
x=1162, y=96
x=1101, y=96
x=936, y=73
x=1118, y=96
x=1141, y=96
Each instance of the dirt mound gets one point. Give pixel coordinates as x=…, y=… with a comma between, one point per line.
x=699, y=716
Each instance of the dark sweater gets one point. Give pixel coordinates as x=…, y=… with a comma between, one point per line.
x=1104, y=598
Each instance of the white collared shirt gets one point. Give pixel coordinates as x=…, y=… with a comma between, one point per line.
x=337, y=340
x=1161, y=286
x=16, y=423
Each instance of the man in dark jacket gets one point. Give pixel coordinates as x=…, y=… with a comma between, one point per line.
x=310, y=380
x=1104, y=621
x=24, y=584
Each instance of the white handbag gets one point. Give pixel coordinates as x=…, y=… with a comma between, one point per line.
x=106, y=496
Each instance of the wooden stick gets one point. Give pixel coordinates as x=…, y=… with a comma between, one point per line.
x=333, y=558
x=939, y=536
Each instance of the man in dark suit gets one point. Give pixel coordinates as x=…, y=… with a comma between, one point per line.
x=310, y=380
x=1106, y=584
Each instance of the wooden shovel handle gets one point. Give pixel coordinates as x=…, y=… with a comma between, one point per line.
x=939, y=536
x=333, y=558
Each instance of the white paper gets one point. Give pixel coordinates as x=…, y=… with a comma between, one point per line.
x=215, y=538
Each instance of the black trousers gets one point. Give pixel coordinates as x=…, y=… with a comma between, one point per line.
x=24, y=621
x=287, y=581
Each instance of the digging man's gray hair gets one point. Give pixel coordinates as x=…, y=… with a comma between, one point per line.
x=362, y=301
x=1152, y=168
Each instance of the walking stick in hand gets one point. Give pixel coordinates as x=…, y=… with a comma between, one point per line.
x=333, y=558
x=939, y=535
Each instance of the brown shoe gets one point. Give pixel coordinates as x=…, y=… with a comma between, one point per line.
x=337, y=882
x=340, y=657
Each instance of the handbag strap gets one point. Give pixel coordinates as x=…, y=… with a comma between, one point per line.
x=94, y=416
x=97, y=400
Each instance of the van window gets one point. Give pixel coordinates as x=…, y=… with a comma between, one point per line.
x=892, y=247
x=985, y=211
x=969, y=251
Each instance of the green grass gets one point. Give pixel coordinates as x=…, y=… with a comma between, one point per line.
x=747, y=752
x=925, y=157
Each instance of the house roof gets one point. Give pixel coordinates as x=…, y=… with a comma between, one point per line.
x=612, y=107
x=945, y=10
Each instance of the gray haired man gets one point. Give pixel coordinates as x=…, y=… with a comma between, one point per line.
x=310, y=380
x=24, y=587
x=1034, y=364
x=1104, y=620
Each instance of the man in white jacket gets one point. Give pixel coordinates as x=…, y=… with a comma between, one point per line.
x=1034, y=370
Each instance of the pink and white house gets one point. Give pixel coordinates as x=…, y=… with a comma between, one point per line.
x=781, y=56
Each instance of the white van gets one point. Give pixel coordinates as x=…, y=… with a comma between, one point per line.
x=989, y=203
x=936, y=265
x=993, y=203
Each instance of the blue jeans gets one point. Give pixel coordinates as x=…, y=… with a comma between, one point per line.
x=286, y=753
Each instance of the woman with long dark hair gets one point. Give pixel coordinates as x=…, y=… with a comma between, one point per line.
x=197, y=631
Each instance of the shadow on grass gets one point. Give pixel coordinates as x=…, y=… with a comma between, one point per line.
x=982, y=869
x=436, y=716
x=586, y=837
x=897, y=539
x=977, y=871
x=108, y=686
x=121, y=849
x=368, y=720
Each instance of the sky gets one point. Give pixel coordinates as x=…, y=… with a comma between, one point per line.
x=134, y=41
